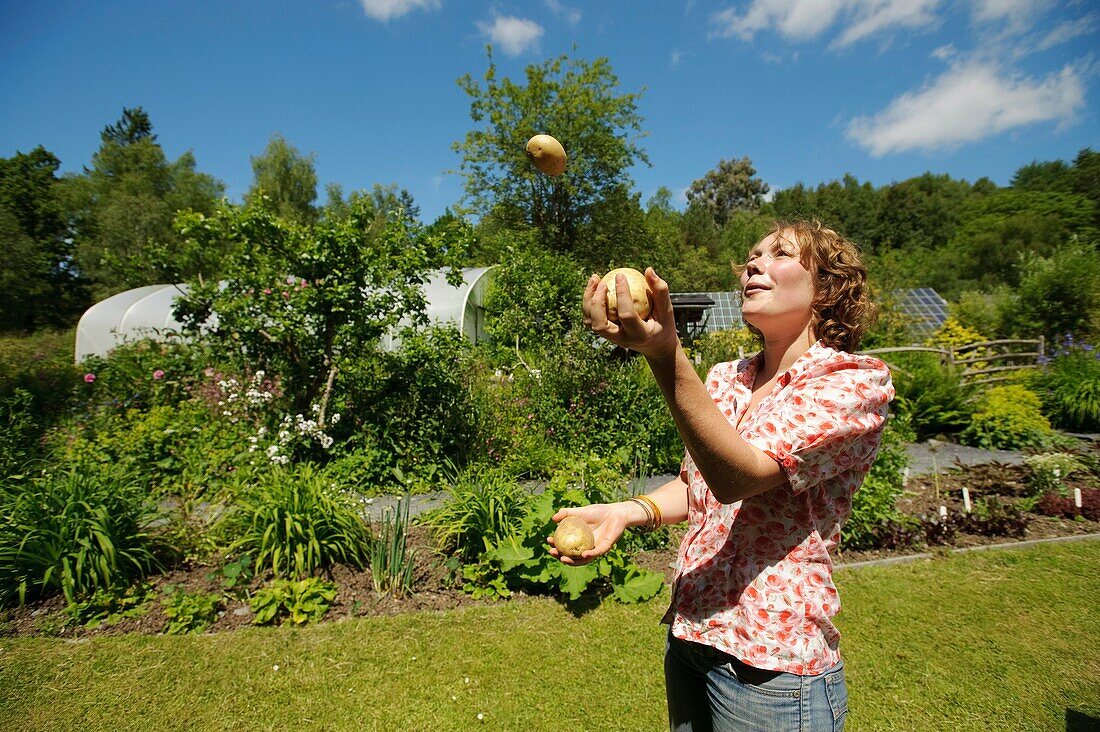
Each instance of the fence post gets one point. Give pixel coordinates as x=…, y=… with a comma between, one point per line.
x=1042, y=345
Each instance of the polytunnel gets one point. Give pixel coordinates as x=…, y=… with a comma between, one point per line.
x=146, y=312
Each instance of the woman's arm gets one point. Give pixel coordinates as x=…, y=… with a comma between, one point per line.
x=732, y=468
x=609, y=520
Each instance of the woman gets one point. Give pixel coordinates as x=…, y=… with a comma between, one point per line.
x=776, y=446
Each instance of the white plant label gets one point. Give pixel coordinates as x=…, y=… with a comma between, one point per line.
x=966, y=499
x=1077, y=497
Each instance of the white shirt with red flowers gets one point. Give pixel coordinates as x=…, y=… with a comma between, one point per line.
x=754, y=578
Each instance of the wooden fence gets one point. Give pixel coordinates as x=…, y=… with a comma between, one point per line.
x=976, y=360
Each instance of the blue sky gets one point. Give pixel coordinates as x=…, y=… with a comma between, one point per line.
x=808, y=89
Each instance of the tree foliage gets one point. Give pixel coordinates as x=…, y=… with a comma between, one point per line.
x=287, y=179
x=122, y=210
x=732, y=186
x=579, y=103
x=303, y=302
x=39, y=284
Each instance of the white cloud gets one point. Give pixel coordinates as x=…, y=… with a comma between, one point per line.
x=514, y=35
x=675, y=58
x=386, y=10
x=571, y=15
x=869, y=18
x=1018, y=15
x=1067, y=31
x=968, y=103
x=802, y=20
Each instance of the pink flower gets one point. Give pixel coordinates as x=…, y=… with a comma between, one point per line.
x=267, y=290
x=158, y=374
x=286, y=295
x=89, y=378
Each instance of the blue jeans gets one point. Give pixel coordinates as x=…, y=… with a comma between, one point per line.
x=711, y=691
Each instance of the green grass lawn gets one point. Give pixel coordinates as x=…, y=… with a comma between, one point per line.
x=1006, y=640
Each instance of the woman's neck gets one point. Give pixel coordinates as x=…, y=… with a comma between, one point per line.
x=781, y=353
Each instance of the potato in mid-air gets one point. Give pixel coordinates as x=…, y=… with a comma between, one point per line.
x=547, y=154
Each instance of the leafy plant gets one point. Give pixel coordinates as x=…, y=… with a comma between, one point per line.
x=874, y=520
x=1069, y=385
x=78, y=531
x=293, y=521
x=190, y=612
x=991, y=517
x=391, y=563
x=1049, y=471
x=485, y=506
x=1008, y=417
x=299, y=601
x=1053, y=504
x=108, y=606
x=522, y=561
x=931, y=395
x=234, y=575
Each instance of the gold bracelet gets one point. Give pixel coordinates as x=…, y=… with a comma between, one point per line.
x=648, y=514
x=656, y=510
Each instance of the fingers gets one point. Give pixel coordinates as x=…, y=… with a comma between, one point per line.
x=662, y=300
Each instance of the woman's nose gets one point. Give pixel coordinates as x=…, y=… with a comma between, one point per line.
x=755, y=265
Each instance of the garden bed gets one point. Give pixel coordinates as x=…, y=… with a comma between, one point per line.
x=435, y=587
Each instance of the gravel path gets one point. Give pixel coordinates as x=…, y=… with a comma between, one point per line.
x=924, y=458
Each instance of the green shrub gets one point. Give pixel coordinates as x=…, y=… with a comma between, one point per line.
x=413, y=408
x=1008, y=418
x=143, y=373
x=300, y=601
x=725, y=345
x=523, y=562
x=930, y=395
x=295, y=520
x=18, y=431
x=1069, y=386
x=76, y=532
x=874, y=504
x=485, y=506
x=1049, y=471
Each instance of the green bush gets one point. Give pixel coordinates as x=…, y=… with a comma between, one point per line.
x=411, y=408
x=484, y=507
x=1008, y=418
x=930, y=394
x=295, y=520
x=38, y=387
x=1069, y=386
x=143, y=373
x=874, y=504
x=580, y=397
x=77, y=531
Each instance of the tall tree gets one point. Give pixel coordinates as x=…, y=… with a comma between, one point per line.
x=39, y=283
x=287, y=178
x=579, y=103
x=730, y=187
x=122, y=210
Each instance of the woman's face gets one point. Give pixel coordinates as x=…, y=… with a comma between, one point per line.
x=777, y=291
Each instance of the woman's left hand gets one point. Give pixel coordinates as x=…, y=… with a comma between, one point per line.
x=655, y=337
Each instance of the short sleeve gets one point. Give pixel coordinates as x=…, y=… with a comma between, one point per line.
x=829, y=424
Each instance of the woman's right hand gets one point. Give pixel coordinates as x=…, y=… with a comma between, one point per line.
x=607, y=521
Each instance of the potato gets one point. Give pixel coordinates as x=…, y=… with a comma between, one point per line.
x=573, y=537
x=547, y=154
x=639, y=292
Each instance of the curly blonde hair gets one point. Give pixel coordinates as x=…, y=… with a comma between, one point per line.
x=842, y=310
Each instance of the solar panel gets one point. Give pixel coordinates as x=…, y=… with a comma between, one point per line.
x=923, y=304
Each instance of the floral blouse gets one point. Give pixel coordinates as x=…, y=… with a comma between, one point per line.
x=754, y=578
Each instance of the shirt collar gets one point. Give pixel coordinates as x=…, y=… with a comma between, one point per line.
x=747, y=368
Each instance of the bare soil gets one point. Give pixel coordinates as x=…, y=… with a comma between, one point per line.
x=435, y=588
